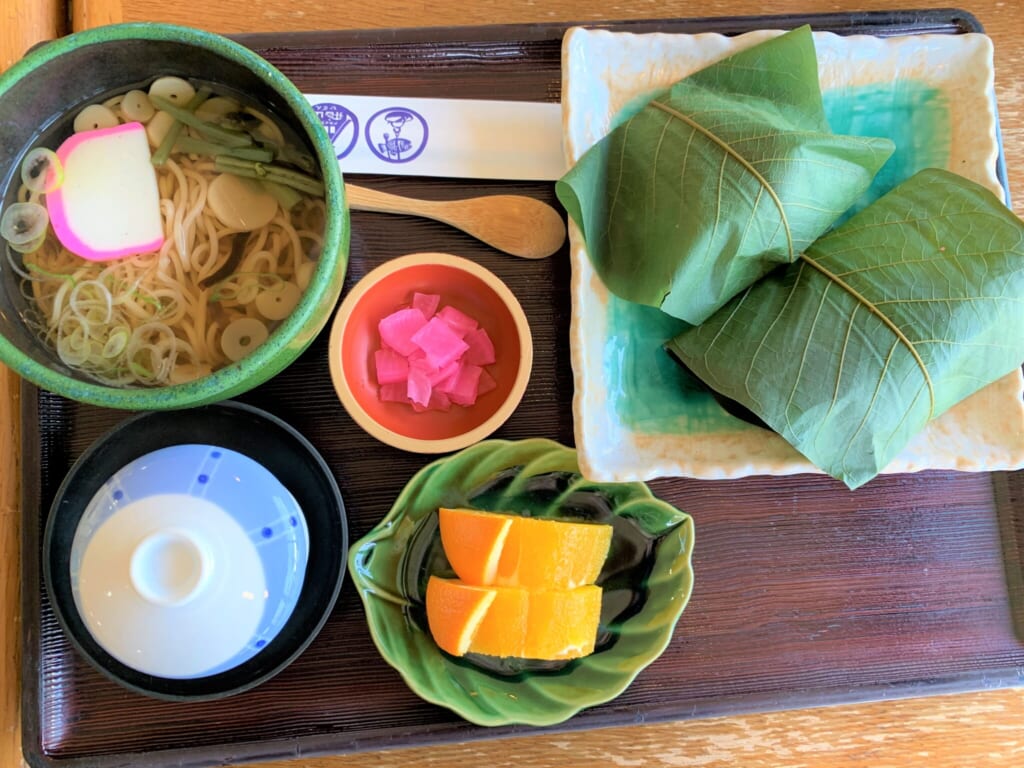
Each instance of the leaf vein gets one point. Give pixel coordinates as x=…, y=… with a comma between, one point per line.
x=839, y=372
x=730, y=152
x=803, y=356
x=896, y=330
x=953, y=300
x=871, y=405
x=768, y=331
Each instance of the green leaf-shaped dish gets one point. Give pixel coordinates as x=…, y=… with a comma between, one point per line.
x=647, y=581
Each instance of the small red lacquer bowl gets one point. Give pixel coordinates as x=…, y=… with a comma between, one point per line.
x=463, y=284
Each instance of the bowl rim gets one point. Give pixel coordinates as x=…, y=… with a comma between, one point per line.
x=198, y=689
x=421, y=445
x=288, y=339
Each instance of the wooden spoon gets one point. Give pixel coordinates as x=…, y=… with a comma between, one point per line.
x=515, y=224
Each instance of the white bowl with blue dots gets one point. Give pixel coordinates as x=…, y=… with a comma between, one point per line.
x=188, y=561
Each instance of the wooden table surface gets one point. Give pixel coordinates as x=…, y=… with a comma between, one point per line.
x=974, y=729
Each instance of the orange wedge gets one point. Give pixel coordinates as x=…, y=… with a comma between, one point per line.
x=504, y=630
x=530, y=552
x=552, y=554
x=530, y=624
x=473, y=542
x=454, y=613
x=562, y=624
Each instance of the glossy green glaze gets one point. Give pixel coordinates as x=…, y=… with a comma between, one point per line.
x=650, y=391
x=914, y=115
x=647, y=581
x=61, y=76
x=648, y=394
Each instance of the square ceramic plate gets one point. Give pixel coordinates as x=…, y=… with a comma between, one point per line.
x=636, y=414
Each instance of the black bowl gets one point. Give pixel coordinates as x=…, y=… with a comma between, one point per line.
x=265, y=439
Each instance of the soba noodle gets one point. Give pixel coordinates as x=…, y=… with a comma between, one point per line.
x=157, y=318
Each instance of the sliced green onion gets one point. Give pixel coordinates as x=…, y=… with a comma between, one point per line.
x=42, y=171
x=140, y=370
x=23, y=225
x=116, y=343
x=30, y=247
x=47, y=273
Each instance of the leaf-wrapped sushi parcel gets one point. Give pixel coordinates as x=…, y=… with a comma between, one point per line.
x=886, y=322
x=717, y=181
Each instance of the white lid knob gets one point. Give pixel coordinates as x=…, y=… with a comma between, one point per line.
x=169, y=567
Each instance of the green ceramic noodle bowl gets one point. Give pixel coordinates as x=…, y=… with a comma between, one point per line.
x=53, y=82
x=646, y=582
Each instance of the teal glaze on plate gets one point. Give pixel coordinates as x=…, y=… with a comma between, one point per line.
x=651, y=392
x=913, y=114
x=648, y=390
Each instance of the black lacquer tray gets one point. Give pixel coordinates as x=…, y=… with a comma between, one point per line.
x=805, y=594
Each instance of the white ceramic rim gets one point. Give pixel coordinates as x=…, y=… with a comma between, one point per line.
x=602, y=70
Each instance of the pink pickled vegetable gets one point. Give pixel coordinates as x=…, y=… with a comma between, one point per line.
x=391, y=366
x=430, y=358
x=481, y=348
x=445, y=384
x=398, y=328
x=487, y=383
x=396, y=392
x=418, y=360
x=438, y=402
x=463, y=388
x=419, y=388
x=439, y=342
x=426, y=303
x=443, y=374
x=460, y=322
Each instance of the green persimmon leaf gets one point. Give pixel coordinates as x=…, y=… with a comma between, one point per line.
x=883, y=324
x=717, y=181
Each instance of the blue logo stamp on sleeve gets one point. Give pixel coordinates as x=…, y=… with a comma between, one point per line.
x=342, y=126
x=397, y=134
